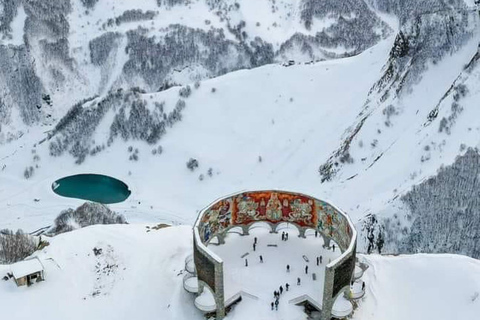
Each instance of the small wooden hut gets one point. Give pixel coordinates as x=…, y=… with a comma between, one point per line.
x=27, y=272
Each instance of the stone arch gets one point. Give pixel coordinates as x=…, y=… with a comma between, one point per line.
x=236, y=229
x=301, y=231
x=259, y=224
x=217, y=239
x=201, y=287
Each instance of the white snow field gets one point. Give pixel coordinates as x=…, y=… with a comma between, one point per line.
x=420, y=286
x=292, y=117
x=138, y=275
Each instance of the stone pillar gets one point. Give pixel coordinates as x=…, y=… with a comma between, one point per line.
x=221, y=239
x=326, y=241
x=328, y=300
x=273, y=227
x=301, y=232
x=219, y=291
x=201, y=287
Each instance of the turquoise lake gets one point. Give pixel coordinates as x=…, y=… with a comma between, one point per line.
x=92, y=187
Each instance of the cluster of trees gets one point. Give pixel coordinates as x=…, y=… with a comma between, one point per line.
x=102, y=46
x=22, y=87
x=445, y=209
x=89, y=213
x=15, y=246
x=133, y=120
x=406, y=9
x=9, y=11
x=192, y=164
x=89, y=4
x=459, y=92
x=131, y=16
x=171, y=3
x=74, y=131
x=356, y=26
x=181, y=46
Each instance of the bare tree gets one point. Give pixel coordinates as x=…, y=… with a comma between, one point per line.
x=15, y=246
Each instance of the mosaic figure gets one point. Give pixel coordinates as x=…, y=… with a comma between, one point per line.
x=216, y=219
x=274, y=208
x=247, y=210
x=301, y=212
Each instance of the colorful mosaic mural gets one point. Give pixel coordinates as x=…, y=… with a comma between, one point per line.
x=216, y=219
x=275, y=207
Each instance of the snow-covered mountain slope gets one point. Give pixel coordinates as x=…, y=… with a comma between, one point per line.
x=54, y=54
x=138, y=274
x=360, y=131
x=289, y=116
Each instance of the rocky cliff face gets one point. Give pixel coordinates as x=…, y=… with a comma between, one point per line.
x=429, y=32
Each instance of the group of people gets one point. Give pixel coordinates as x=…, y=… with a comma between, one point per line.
x=254, y=248
x=277, y=294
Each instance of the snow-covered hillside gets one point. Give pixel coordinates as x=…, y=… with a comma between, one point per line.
x=54, y=54
x=291, y=117
x=138, y=274
x=393, y=99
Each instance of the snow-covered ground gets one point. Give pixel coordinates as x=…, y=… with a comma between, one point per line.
x=262, y=279
x=421, y=286
x=139, y=273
